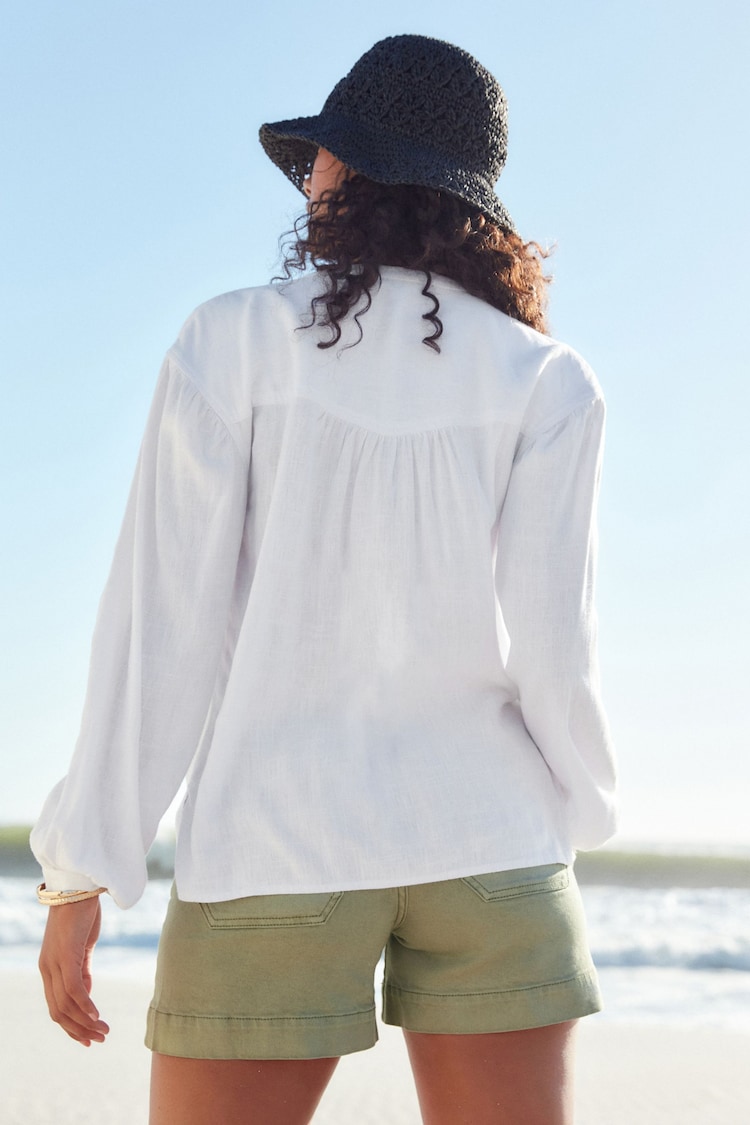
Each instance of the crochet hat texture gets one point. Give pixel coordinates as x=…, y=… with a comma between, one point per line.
x=412, y=110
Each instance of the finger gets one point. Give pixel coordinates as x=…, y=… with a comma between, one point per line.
x=85, y=1031
x=75, y=1004
x=72, y=1027
x=74, y=1010
x=73, y=997
x=84, y=1034
x=80, y=1034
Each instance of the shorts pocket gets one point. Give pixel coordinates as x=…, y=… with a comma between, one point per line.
x=259, y=912
x=498, y=885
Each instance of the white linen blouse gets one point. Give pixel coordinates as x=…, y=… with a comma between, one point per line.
x=352, y=602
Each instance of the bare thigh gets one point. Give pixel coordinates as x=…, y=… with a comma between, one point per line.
x=236, y=1091
x=506, y=1078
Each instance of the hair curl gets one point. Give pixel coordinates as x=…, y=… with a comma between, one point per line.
x=362, y=225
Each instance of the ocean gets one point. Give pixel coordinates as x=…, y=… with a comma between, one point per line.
x=666, y=953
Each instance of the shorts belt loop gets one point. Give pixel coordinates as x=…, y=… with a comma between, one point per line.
x=403, y=906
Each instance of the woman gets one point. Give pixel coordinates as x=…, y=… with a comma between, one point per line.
x=352, y=603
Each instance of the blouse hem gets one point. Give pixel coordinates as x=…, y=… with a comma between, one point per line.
x=197, y=890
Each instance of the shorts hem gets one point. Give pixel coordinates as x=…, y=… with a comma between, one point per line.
x=486, y=1012
x=250, y=1037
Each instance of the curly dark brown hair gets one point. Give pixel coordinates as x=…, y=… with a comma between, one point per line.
x=362, y=225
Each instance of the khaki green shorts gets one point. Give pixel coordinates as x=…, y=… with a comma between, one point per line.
x=291, y=976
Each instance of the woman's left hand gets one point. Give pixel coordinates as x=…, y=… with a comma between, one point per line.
x=65, y=964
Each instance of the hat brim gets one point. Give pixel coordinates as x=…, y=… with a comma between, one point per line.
x=293, y=144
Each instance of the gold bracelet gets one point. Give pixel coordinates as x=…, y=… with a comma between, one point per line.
x=61, y=898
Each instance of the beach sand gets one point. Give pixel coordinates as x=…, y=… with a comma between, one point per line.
x=627, y=1074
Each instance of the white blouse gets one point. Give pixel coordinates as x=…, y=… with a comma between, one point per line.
x=352, y=602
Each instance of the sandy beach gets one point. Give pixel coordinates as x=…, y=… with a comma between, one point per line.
x=628, y=1074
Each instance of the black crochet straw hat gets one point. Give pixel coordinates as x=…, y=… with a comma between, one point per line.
x=412, y=110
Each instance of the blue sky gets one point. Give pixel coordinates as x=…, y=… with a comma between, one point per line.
x=134, y=188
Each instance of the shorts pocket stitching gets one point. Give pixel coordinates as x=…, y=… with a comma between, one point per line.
x=555, y=881
x=230, y=916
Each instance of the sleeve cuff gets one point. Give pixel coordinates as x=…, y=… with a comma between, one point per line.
x=56, y=880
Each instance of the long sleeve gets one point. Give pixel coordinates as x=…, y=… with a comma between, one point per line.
x=156, y=648
x=545, y=565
